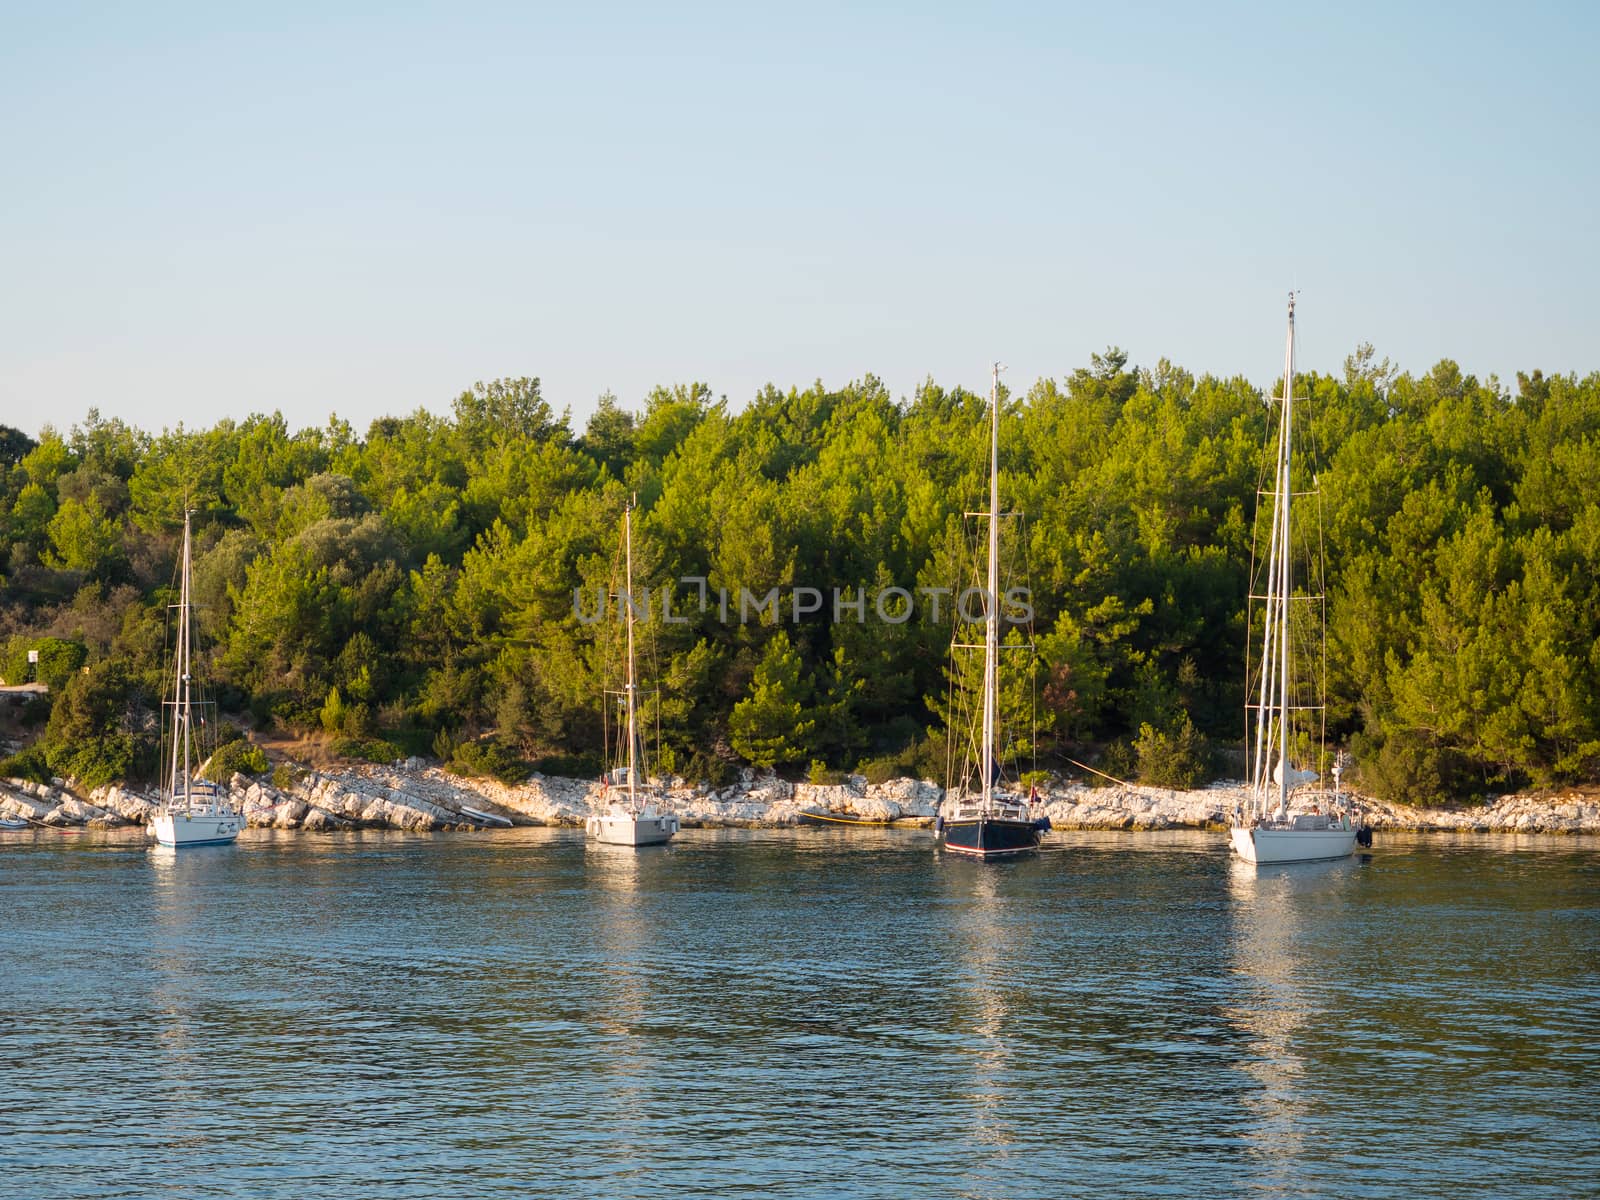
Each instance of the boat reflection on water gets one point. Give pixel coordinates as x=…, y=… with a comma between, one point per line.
x=1279, y=914
x=621, y=1049
x=628, y=1101
x=622, y=926
x=178, y=933
x=982, y=1023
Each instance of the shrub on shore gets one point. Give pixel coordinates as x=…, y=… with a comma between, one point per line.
x=26, y=764
x=924, y=758
x=1410, y=768
x=1175, y=756
x=237, y=757
x=373, y=750
x=493, y=758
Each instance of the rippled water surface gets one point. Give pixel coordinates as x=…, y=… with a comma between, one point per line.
x=797, y=1013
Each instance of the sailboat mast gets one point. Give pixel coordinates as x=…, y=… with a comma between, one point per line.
x=1286, y=492
x=1261, y=776
x=627, y=538
x=991, y=637
x=180, y=725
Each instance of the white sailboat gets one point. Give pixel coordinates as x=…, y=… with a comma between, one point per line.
x=1289, y=816
x=634, y=815
x=988, y=821
x=191, y=813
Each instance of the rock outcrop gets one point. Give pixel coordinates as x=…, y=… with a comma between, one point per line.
x=418, y=797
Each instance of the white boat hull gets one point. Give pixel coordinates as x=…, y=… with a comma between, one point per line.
x=623, y=828
x=1263, y=846
x=196, y=827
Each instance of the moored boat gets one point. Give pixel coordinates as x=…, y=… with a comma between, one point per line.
x=1289, y=815
x=192, y=812
x=1002, y=828
x=980, y=817
x=634, y=814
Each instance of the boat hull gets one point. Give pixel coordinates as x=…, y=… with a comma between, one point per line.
x=990, y=837
x=832, y=819
x=196, y=827
x=632, y=829
x=1263, y=846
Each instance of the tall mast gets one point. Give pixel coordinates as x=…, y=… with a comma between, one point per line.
x=991, y=639
x=627, y=537
x=180, y=721
x=1272, y=709
x=1286, y=491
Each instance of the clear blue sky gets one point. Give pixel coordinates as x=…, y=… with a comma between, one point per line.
x=363, y=208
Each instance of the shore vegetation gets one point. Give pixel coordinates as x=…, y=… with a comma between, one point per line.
x=414, y=588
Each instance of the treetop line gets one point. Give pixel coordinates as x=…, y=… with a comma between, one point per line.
x=425, y=586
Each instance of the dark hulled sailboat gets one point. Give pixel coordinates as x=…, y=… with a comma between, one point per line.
x=986, y=821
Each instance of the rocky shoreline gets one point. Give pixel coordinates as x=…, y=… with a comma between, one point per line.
x=421, y=798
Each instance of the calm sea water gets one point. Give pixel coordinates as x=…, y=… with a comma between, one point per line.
x=796, y=1013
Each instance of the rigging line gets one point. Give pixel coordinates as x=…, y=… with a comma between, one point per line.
x=1102, y=774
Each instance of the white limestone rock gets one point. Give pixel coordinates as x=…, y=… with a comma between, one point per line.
x=126, y=803
x=417, y=796
x=75, y=811
x=910, y=797
x=20, y=804
x=288, y=813
x=319, y=819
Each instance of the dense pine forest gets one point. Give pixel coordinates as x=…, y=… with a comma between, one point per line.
x=429, y=586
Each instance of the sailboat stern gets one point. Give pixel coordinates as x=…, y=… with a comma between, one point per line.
x=990, y=837
x=208, y=826
x=620, y=826
x=1263, y=845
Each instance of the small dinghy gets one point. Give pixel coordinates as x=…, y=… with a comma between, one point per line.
x=13, y=823
x=829, y=818
x=484, y=818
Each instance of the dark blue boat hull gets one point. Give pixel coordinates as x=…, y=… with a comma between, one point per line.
x=989, y=837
